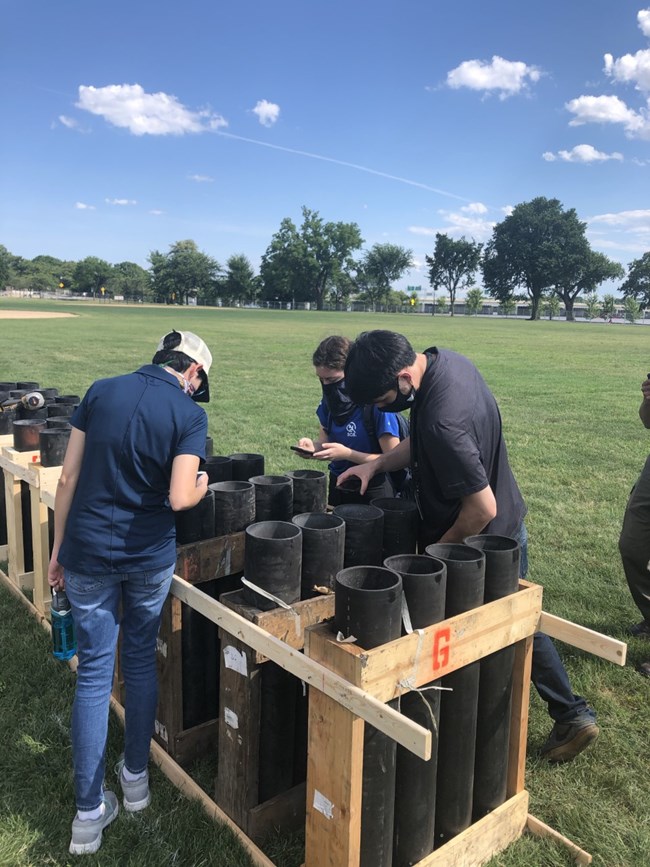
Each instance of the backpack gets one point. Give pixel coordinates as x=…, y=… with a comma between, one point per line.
x=400, y=478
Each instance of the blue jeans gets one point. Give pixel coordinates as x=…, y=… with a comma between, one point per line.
x=97, y=601
x=549, y=675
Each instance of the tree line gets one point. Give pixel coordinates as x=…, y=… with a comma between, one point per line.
x=538, y=253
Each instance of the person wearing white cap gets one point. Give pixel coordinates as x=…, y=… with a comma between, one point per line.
x=132, y=461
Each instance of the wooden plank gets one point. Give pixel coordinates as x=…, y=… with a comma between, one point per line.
x=20, y=464
x=211, y=558
x=47, y=498
x=485, y=838
x=535, y=826
x=4, y=552
x=436, y=651
x=334, y=777
x=519, y=716
x=40, y=549
x=16, y=563
x=586, y=639
x=412, y=736
x=288, y=626
x=193, y=743
x=237, y=788
x=169, y=714
x=285, y=812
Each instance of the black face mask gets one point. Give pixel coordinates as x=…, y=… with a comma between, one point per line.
x=337, y=401
x=401, y=402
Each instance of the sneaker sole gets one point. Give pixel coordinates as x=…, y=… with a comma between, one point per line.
x=136, y=806
x=567, y=752
x=94, y=845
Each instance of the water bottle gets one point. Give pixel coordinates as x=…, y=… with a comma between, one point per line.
x=64, y=641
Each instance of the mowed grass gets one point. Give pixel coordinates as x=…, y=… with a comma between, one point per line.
x=569, y=395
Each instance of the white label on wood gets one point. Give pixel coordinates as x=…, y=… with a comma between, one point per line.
x=161, y=647
x=231, y=718
x=161, y=731
x=235, y=659
x=323, y=805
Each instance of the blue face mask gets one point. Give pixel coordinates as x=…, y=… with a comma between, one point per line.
x=401, y=402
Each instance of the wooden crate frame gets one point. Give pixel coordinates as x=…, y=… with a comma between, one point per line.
x=237, y=783
x=202, y=561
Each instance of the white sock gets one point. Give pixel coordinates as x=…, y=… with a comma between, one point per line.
x=91, y=815
x=130, y=777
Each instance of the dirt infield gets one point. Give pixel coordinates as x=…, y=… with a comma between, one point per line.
x=32, y=314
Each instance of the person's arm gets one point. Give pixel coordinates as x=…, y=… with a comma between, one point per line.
x=339, y=452
x=396, y=459
x=476, y=512
x=65, y=489
x=186, y=490
x=644, y=409
x=313, y=445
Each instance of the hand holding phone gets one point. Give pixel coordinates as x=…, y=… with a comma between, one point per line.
x=304, y=453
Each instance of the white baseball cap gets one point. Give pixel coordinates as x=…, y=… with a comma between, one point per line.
x=195, y=348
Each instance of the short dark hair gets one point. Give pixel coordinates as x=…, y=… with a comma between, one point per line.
x=332, y=352
x=374, y=360
x=168, y=356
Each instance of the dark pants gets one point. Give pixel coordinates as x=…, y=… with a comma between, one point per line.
x=549, y=675
x=634, y=543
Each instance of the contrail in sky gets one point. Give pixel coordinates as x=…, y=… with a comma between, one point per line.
x=343, y=163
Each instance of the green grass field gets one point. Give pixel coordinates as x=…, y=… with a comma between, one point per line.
x=569, y=395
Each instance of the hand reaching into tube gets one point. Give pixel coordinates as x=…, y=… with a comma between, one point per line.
x=364, y=472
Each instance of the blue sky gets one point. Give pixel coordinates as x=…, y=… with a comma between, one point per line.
x=128, y=126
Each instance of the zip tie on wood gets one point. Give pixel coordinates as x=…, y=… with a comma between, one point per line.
x=279, y=602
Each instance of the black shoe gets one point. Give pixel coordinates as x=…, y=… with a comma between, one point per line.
x=567, y=740
x=644, y=669
x=640, y=630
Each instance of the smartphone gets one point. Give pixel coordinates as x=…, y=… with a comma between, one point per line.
x=304, y=452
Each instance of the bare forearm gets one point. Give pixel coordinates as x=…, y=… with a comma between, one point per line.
x=396, y=459
x=476, y=512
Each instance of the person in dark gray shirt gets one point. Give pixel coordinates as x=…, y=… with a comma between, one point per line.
x=462, y=482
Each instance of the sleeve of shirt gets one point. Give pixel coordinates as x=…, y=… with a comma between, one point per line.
x=456, y=459
x=192, y=441
x=79, y=417
x=385, y=423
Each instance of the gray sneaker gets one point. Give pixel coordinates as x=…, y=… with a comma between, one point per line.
x=136, y=793
x=87, y=835
x=567, y=740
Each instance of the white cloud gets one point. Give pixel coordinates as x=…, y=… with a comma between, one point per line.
x=609, y=109
x=622, y=218
x=582, y=153
x=643, y=17
x=128, y=106
x=156, y=212
x=267, y=112
x=68, y=122
x=628, y=231
x=120, y=201
x=503, y=76
x=474, y=208
x=458, y=224
x=507, y=210
x=631, y=68
x=82, y=206
x=200, y=179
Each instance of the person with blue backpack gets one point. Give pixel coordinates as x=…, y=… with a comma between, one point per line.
x=350, y=434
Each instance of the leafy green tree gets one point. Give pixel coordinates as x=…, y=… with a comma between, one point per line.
x=440, y=306
x=473, y=301
x=183, y=273
x=608, y=307
x=631, y=309
x=637, y=284
x=5, y=266
x=592, y=306
x=508, y=305
x=379, y=267
x=90, y=274
x=584, y=271
x=304, y=265
x=453, y=265
x=551, y=306
x=537, y=247
x=131, y=281
x=239, y=285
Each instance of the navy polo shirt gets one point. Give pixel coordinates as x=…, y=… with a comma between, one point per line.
x=120, y=519
x=353, y=433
